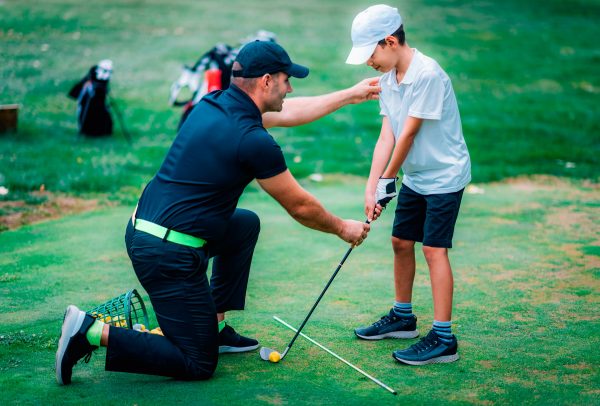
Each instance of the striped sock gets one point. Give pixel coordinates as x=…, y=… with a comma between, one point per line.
x=443, y=330
x=403, y=309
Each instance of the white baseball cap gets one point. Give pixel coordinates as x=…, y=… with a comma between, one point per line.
x=368, y=28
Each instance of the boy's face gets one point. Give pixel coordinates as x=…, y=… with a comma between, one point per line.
x=383, y=58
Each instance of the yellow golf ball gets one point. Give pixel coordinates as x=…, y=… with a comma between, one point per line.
x=274, y=356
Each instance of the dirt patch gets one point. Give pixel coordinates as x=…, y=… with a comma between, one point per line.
x=573, y=220
x=513, y=380
x=41, y=206
x=581, y=366
x=548, y=183
x=486, y=364
x=498, y=273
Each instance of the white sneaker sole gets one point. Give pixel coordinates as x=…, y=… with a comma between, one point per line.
x=393, y=334
x=437, y=360
x=72, y=321
x=226, y=349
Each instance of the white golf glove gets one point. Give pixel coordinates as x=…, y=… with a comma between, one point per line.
x=386, y=190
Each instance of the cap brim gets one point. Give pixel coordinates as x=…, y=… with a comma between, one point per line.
x=297, y=71
x=360, y=55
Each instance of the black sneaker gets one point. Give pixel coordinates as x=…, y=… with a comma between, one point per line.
x=389, y=326
x=230, y=341
x=73, y=345
x=430, y=350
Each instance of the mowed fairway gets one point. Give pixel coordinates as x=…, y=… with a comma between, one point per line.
x=527, y=249
x=526, y=269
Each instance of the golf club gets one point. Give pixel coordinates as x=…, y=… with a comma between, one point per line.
x=377, y=381
x=268, y=354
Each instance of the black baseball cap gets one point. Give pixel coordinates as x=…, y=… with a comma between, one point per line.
x=261, y=57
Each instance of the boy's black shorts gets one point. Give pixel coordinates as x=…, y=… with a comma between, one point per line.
x=429, y=219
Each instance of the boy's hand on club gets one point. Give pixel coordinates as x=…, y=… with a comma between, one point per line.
x=354, y=232
x=372, y=209
x=386, y=191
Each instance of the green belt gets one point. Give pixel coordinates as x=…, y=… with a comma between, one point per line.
x=168, y=235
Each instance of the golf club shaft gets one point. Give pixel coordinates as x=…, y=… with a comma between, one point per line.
x=377, y=381
x=320, y=297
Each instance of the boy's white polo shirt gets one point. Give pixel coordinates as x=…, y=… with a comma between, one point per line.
x=438, y=161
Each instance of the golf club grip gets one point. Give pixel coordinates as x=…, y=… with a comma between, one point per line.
x=322, y=293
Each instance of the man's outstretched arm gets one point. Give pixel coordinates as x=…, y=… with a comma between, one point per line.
x=302, y=110
x=308, y=211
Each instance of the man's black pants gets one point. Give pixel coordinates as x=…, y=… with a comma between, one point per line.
x=175, y=278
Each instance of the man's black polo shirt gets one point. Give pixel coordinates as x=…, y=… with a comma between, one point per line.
x=221, y=147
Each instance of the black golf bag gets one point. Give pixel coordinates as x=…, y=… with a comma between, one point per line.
x=93, y=114
x=211, y=72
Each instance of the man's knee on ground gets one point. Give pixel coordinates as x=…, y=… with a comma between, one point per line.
x=434, y=253
x=401, y=246
x=202, y=372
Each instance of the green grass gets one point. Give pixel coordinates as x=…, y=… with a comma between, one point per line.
x=526, y=270
x=526, y=257
x=524, y=74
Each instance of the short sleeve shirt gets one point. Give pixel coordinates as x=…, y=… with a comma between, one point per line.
x=438, y=161
x=219, y=150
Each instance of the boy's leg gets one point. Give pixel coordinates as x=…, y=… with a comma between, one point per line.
x=442, y=212
x=404, y=269
x=439, y=345
x=230, y=272
x=442, y=281
x=408, y=228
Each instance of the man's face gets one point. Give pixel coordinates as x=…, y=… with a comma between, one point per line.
x=281, y=87
x=382, y=59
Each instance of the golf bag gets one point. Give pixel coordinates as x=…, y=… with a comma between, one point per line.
x=211, y=72
x=93, y=114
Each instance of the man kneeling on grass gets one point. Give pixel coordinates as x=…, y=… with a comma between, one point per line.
x=188, y=214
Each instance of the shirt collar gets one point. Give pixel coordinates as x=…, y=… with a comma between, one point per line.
x=239, y=95
x=411, y=72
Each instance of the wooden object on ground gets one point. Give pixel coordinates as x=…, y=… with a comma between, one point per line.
x=8, y=117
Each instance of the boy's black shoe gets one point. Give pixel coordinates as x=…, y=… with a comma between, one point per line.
x=230, y=341
x=73, y=345
x=389, y=326
x=430, y=350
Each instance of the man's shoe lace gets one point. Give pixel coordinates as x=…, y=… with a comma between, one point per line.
x=88, y=356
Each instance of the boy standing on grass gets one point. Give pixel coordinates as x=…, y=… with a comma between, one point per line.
x=421, y=132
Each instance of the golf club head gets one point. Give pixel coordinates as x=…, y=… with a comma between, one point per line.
x=265, y=352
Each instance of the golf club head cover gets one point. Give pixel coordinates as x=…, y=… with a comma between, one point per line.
x=386, y=190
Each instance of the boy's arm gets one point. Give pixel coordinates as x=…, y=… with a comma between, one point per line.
x=302, y=110
x=403, y=144
x=381, y=156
